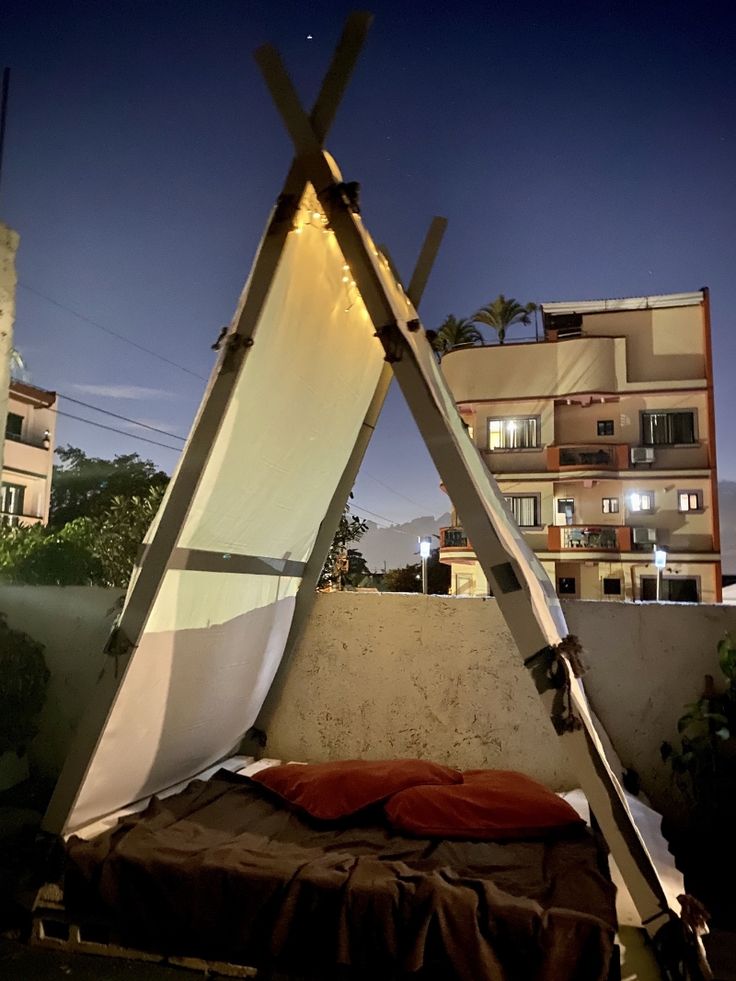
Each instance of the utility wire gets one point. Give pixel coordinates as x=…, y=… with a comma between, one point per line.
x=99, y=425
x=398, y=493
x=109, y=330
x=115, y=415
x=382, y=517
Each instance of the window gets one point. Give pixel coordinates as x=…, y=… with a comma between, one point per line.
x=566, y=507
x=566, y=586
x=667, y=428
x=675, y=589
x=605, y=427
x=11, y=498
x=14, y=426
x=611, y=587
x=525, y=508
x=520, y=433
x=689, y=500
x=610, y=505
x=642, y=501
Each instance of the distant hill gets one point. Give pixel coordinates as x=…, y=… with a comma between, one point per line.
x=727, y=502
x=396, y=545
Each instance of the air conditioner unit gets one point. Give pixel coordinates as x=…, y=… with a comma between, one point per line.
x=642, y=454
x=644, y=536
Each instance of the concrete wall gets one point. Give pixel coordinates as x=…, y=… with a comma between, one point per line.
x=377, y=675
x=8, y=247
x=72, y=622
x=403, y=675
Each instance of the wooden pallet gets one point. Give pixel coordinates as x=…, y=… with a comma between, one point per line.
x=53, y=929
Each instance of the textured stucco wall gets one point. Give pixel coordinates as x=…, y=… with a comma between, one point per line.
x=400, y=675
x=380, y=675
x=406, y=675
x=72, y=622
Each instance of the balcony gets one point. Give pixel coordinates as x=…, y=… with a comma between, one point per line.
x=598, y=538
x=453, y=538
x=600, y=456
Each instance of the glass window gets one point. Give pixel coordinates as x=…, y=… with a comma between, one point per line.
x=566, y=586
x=605, y=427
x=14, y=426
x=519, y=433
x=611, y=587
x=689, y=500
x=610, y=505
x=642, y=501
x=525, y=509
x=11, y=498
x=667, y=428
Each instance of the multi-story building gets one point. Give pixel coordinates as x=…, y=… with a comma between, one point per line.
x=602, y=439
x=25, y=492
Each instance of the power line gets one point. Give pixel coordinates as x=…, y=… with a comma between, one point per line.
x=109, y=330
x=382, y=517
x=99, y=425
x=398, y=493
x=115, y=415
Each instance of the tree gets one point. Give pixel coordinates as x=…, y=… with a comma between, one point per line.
x=85, y=486
x=408, y=579
x=342, y=561
x=455, y=333
x=502, y=313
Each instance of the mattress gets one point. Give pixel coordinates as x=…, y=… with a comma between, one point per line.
x=223, y=870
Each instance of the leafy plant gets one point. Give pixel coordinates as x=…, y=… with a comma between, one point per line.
x=502, y=313
x=23, y=680
x=455, y=333
x=342, y=562
x=705, y=765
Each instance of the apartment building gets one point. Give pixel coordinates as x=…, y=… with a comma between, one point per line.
x=601, y=436
x=25, y=492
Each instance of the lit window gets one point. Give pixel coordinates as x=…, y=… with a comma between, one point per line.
x=566, y=507
x=525, y=509
x=642, y=501
x=520, y=433
x=689, y=500
x=610, y=505
x=667, y=428
x=11, y=498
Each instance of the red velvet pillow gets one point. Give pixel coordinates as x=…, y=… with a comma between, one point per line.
x=489, y=804
x=333, y=790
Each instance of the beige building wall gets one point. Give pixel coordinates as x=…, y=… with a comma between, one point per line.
x=28, y=456
x=8, y=247
x=658, y=361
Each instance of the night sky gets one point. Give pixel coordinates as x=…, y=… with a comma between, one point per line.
x=579, y=150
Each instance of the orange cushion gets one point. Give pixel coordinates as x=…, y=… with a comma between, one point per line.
x=489, y=804
x=333, y=790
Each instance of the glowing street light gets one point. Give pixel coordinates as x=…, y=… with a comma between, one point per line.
x=425, y=550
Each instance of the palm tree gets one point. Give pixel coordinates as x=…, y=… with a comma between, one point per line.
x=502, y=314
x=454, y=333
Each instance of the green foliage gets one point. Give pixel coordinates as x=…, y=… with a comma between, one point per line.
x=502, y=313
x=705, y=765
x=84, y=486
x=408, y=579
x=343, y=564
x=23, y=680
x=98, y=546
x=455, y=333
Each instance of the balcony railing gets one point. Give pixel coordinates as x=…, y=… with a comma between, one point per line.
x=603, y=456
x=453, y=538
x=598, y=538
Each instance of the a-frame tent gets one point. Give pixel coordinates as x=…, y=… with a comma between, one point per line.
x=229, y=566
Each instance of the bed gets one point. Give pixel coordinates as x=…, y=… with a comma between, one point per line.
x=225, y=870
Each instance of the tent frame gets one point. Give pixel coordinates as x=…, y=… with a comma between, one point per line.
x=538, y=628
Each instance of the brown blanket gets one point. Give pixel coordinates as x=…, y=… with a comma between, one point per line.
x=224, y=871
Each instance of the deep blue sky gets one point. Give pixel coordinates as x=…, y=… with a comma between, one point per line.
x=578, y=150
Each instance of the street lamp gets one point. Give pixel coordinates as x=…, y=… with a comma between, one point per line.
x=660, y=561
x=425, y=550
